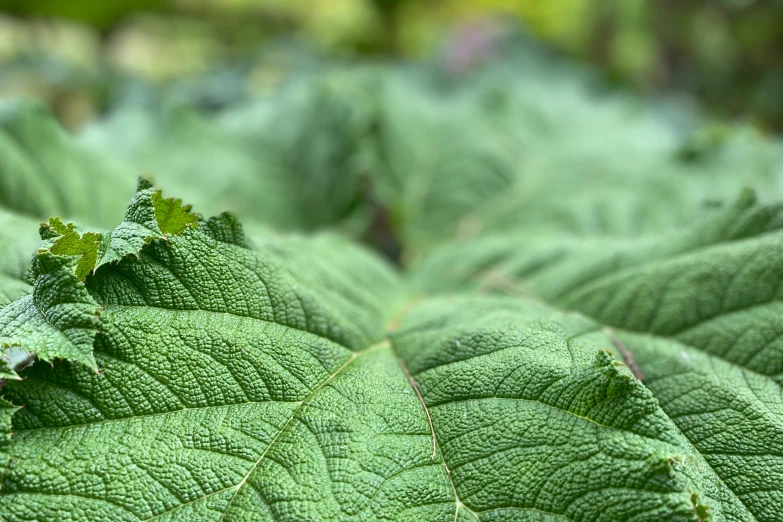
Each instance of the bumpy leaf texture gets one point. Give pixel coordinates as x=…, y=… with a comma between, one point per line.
x=296, y=379
x=57, y=319
x=695, y=314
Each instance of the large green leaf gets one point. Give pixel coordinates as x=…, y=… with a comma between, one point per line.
x=179, y=368
x=253, y=380
x=276, y=377
x=551, y=265
x=696, y=314
x=537, y=419
x=58, y=319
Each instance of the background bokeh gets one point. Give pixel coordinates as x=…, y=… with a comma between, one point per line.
x=404, y=123
x=728, y=54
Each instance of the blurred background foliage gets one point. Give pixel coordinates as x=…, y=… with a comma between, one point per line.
x=405, y=123
x=727, y=54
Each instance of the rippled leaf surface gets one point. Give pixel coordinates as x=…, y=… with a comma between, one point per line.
x=219, y=377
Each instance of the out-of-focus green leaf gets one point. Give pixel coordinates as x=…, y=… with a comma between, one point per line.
x=44, y=171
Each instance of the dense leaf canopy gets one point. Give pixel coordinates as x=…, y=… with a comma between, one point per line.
x=582, y=327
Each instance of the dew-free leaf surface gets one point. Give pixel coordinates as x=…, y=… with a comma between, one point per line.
x=286, y=379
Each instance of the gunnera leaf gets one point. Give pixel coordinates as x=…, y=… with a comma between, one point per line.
x=242, y=382
x=695, y=313
x=59, y=317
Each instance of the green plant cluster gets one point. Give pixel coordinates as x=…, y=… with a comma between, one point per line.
x=516, y=299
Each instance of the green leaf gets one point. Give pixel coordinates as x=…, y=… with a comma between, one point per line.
x=549, y=266
x=58, y=319
x=254, y=381
x=69, y=242
x=695, y=313
x=180, y=368
x=279, y=387
x=44, y=171
x=290, y=160
x=705, y=331
x=526, y=147
x=537, y=420
x=149, y=217
x=18, y=243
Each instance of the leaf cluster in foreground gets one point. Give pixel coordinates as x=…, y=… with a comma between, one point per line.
x=197, y=374
x=585, y=326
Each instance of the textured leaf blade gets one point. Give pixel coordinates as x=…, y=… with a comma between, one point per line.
x=537, y=421
x=734, y=417
x=276, y=408
x=712, y=354
x=696, y=311
x=250, y=380
x=59, y=318
x=149, y=216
